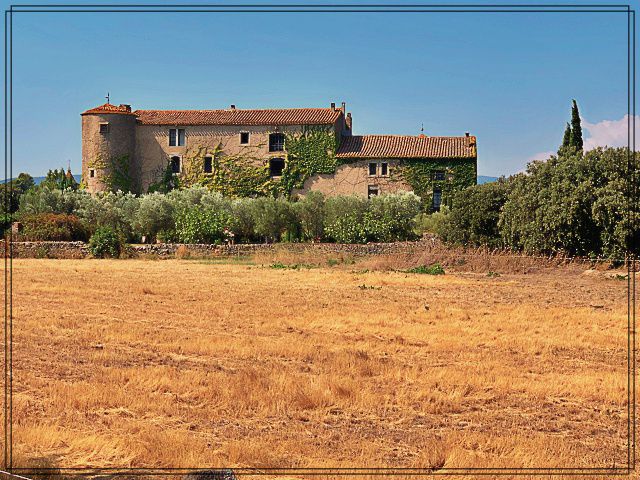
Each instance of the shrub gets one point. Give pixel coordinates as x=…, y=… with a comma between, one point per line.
x=574, y=203
x=200, y=225
x=344, y=219
x=114, y=210
x=242, y=219
x=435, y=269
x=155, y=214
x=273, y=217
x=187, y=197
x=310, y=210
x=391, y=217
x=433, y=223
x=549, y=209
x=52, y=227
x=105, y=242
x=475, y=214
x=42, y=199
x=616, y=211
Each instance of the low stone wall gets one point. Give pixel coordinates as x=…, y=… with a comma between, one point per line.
x=45, y=249
x=168, y=250
x=197, y=250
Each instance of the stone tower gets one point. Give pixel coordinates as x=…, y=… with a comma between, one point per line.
x=108, y=146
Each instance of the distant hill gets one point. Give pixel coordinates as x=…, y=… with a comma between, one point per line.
x=484, y=179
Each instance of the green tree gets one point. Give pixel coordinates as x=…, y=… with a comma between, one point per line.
x=567, y=138
x=310, y=210
x=391, y=217
x=576, y=128
x=475, y=213
x=575, y=204
x=200, y=224
x=344, y=219
x=59, y=180
x=11, y=193
x=273, y=217
x=155, y=214
x=24, y=183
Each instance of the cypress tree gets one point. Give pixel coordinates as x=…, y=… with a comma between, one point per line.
x=567, y=138
x=576, y=128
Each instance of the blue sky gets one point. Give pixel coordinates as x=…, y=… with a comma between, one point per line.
x=507, y=78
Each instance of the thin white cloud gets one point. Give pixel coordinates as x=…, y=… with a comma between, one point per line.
x=610, y=133
x=541, y=156
x=606, y=133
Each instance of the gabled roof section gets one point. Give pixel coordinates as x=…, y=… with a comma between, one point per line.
x=407, y=146
x=233, y=116
x=108, y=108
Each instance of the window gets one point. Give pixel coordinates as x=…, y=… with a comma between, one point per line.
x=373, y=169
x=438, y=175
x=175, y=164
x=104, y=128
x=208, y=165
x=176, y=137
x=244, y=138
x=384, y=169
x=276, y=142
x=372, y=191
x=437, y=199
x=92, y=173
x=276, y=166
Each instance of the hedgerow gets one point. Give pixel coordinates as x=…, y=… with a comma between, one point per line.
x=199, y=215
x=575, y=203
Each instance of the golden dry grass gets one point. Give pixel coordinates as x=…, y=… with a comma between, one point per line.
x=185, y=363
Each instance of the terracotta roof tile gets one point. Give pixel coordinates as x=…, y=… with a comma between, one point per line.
x=287, y=116
x=405, y=146
x=108, y=108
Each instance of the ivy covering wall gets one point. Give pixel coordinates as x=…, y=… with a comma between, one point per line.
x=308, y=153
x=115, y=173
x=420, y=174
x=247, y=175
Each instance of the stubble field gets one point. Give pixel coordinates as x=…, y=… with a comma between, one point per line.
x=184, y=363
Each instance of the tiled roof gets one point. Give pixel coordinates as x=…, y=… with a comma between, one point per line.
x=405, y=146
x=287, y=116
x=108, y=108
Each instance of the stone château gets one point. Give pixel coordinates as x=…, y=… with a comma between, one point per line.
x=261, y=151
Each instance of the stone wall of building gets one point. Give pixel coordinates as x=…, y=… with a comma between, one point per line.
x=99, y=149
x=354, y=178
x=153, y=150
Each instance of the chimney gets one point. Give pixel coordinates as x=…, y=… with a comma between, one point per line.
x=348, y=122
x=233, y=107
x=344, y=108
x=333, y=106
x=470, y=140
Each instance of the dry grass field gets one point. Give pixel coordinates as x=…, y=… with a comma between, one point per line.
x=187, y=363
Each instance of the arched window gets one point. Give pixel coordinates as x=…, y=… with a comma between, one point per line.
x=276, y=166
x=276, y=142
